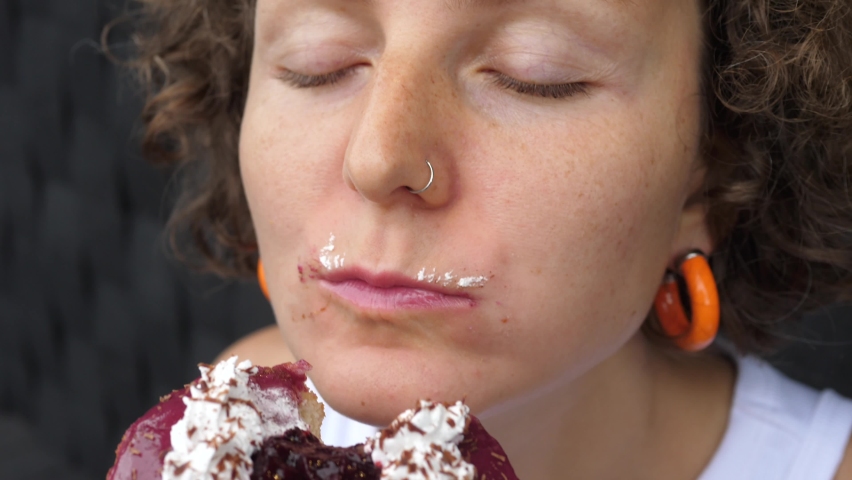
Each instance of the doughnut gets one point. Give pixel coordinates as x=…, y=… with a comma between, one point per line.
x=239, y=421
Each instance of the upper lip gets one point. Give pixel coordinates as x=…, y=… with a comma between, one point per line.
x=387, y=280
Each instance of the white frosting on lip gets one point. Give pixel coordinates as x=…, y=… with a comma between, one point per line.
x=447, y=279
x=223, y=425
x=467, y=282
x=422, y=444
x=326, y=259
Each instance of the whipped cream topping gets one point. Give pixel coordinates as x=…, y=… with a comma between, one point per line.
x=422, y=444
x=223, y=424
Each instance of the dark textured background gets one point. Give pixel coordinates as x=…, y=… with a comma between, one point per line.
x=95, y=321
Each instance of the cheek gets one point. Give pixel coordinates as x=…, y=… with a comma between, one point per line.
x=289, y=171
x=586, y=228
x=594, y=196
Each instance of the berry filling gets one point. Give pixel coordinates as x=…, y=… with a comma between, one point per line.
x=300, y=455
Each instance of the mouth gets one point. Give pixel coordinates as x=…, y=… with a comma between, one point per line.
x=388, y=291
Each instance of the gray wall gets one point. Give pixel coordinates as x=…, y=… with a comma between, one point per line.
x=96, y=322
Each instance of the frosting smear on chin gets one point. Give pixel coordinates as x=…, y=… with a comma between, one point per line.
x=224, y=423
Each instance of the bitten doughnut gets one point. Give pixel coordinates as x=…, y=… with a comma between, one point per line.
x=240, y=421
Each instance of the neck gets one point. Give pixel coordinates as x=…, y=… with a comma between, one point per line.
x=641, y=413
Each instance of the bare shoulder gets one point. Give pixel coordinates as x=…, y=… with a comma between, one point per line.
x=263, y=347
x=844, y=472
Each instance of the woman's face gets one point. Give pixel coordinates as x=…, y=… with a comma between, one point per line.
x=563, y=137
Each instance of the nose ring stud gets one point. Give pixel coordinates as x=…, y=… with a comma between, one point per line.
x=429, y=184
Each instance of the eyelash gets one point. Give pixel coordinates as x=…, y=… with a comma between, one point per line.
x=298, y=80
x=554, y=91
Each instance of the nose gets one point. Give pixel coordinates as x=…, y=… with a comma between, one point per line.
x=397, y=133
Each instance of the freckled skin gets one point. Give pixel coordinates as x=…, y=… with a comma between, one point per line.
x=574, y=206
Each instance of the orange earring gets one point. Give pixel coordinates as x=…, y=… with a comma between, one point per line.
x=261, y=279
x=698, y=332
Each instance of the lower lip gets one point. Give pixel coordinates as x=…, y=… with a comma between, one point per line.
x=369, y=297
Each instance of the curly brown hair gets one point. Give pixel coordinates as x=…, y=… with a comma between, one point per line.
x=777, y=142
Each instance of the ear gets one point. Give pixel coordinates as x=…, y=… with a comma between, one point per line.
x=693, y=233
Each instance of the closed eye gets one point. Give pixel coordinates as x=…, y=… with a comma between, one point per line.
x=300, y=80
x=556, y=90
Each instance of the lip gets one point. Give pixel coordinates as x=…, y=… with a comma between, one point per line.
x=388, y=291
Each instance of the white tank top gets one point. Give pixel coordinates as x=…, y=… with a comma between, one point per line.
x=778, y=429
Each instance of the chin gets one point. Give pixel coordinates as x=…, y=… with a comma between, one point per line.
x=381, y=383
